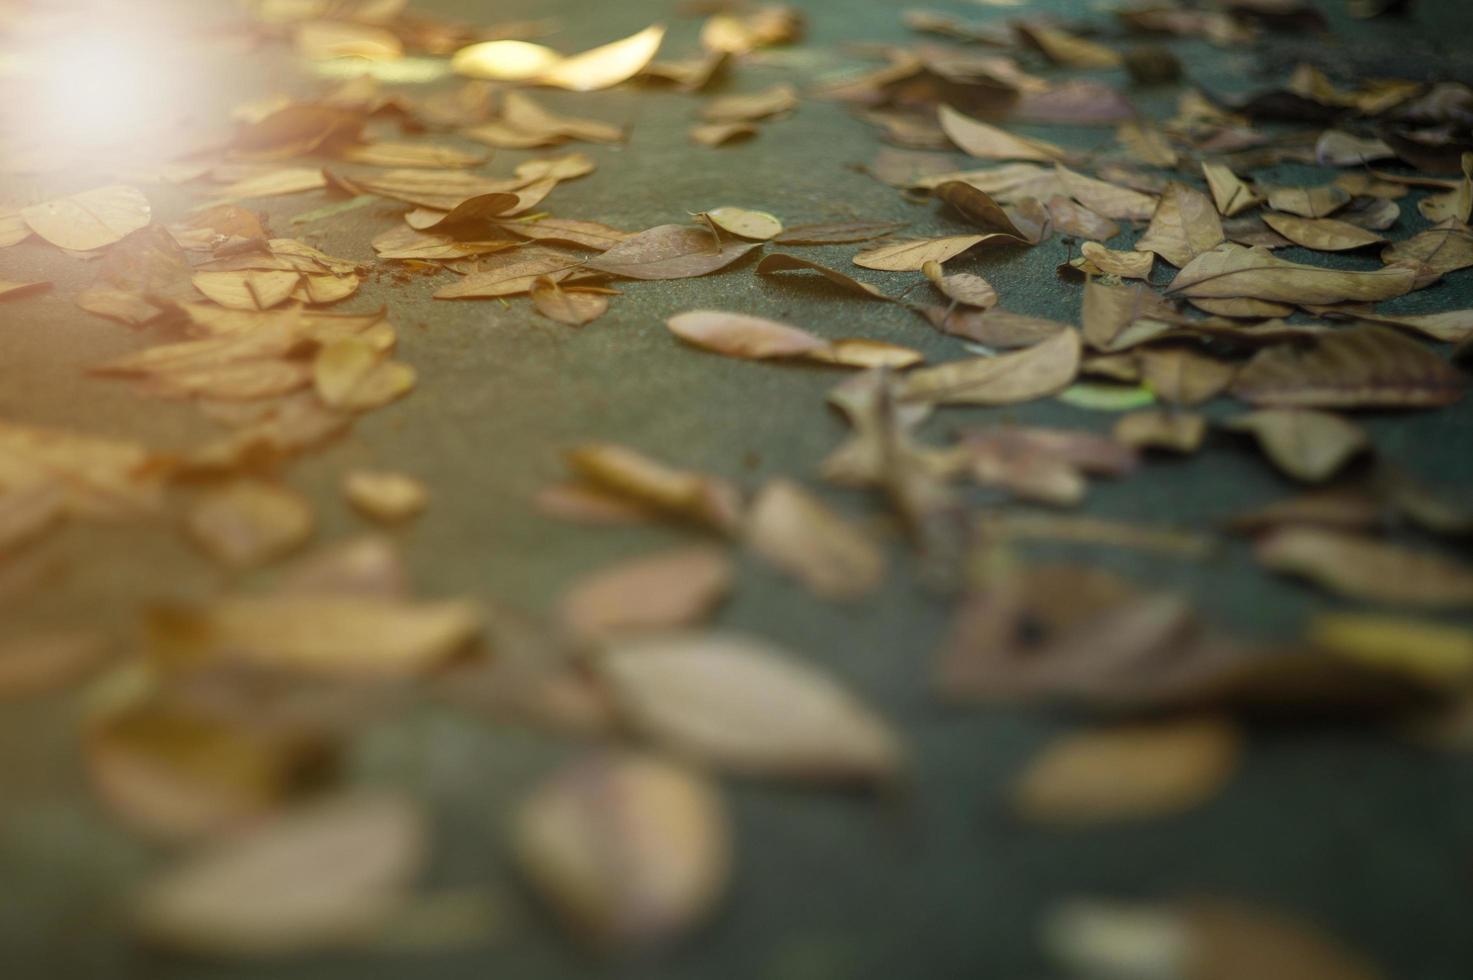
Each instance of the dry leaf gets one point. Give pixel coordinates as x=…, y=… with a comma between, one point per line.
x=246, y=523
x=752, y=107
x=39, y=662
x=1431, y=254
x=1233, y=271
x=1146, y=144
x=673, y=588
x=737, y=703
x=633, y=476
x=793, y=530
x=985, y=142
x=1321, y=234
x=718, y=134
x=570, y=305
x=1097, y=260
x=1118, y=317
x=423, y=155
x=1069, y=218
x=91, y=219
x=1441, y=654
x=1308, y=202
x=670, y=252
x=1229, y=193
x=324, y=876
x=630, y=849
x=15, y=290
x=911, y=256
x=355, y=375
x=756, y=225
x=1184, y=226
x=1178, y=432
x=993, y=328
x=1362, y=367
x=1032, y=373
x=337, y=636
x=1128, y=773
x=588, y=234
x=739, y=335
x=1308, y=445
x=504, y=61
x=385, y=495
x=1047, y=465
x=837, y=232
x=1367, y=569
x=978, y=207
x=775, y=262
x=516, y=273
x=249, y=289
x=605, y=66
x=1183, y=377
x=1103, y=197
x=1068, y=50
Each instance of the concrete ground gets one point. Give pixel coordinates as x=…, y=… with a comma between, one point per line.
x=1367, y=836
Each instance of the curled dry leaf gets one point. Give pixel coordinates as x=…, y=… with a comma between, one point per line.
x=739, y=335
x=1098, y=260
x=756, y=225
x=1366, y=569
x=986, y=142
x=1133, y=772
x=1362, y=367
x=1034, y=372
x=341, y=636
x=605, y=66
x=979, y=207
x=670, y=252
x=1308, y=445
x=737, y=703
x=662, y=591
x=912, y=255
x=775, y=262
x=630, y=849
x=1118, y=317
x=1184, y=226
x=91, y=219
x=509, y=275
x=1321, y=234
x=793, y=530
x=325, y=876
x=1105, y=198
x=963, y=288
x=1178, y=432
x=385, y=495
x=1229, y=193
x=837, y=232
x=1431, y=255
x=1233, y=271
x=1069, y=218
x=249, y=289
x=1308, y=202
x=249, y=522
x=631, y=475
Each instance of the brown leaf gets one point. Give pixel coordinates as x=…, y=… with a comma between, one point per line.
x=604, y=66
x=633, y=476
x=1367, y=569
x=1066, y=49
x=837, y=232
x=39, y=662
x=794, y=531
x=1097, y=260
x=1178, y=432
x=1362, y=367
x=1032, y=373
x=993, y=328
x=15, y=290
x=737, y=703
x=1232, y=271
x=758, y=226
x=662, y=591
x=670, y=252
x=978, y=207
x=441, y=190
x=1308, y=202
x=1118, y=317
x=512, y=274
x=1431, y=254
x=1146, y=144
x=1184, y=226
x=986, y=142
x=1046, y=465
x=630, y=849
x=1103, y=197
x=739, y=335
x=247, y=523
x=570, y=305
x=775, y=262
x=323, y=876
x=588, y=234
x=1183, y=377
x=91, y=219
x=406, y=243
x=249, y=289
x=355, y=375
x=1229, y=193
x=1075, y=219
x=964, y=287
x=719, y=134
x=1308, y=445
x=1134, y=772
x=751, y=107
x=1321, y=234
x=912, y=255
x=425, y=155
x=384, y=495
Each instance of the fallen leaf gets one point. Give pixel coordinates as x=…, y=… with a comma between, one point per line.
x=978, y=207
x=837, y=232
x=736, y=703
x=1178, y=432
x=1232, y=271
x=669, y=252
x=1102, y=197
x=588, y=234
x=355, y=375
x=1069, y=218
x=1308, y=445
x=630, y=849
x=1366, y=569
x=1135, y=772
x=605, y=66
x=1046, y=465
x=752, y=107
x=324, y=876
x=423, y=155
x=385, y=495
x=986, y=142
x=1362, y=367
x=15, y=290
x=775, y=262
x=912, y=255
x=1181, y=376
x=1321, y=234
x=633, y=476
x=964, y=287
x=1431, y=254
x=1118, y=317
x=1146, y=144
x=1308, y=202
x=1031, y=373
x=795, y=532
x=569, y=305
x=1229, y=193
x=504, y=61
x=89, y=220
x=679, y=587
x=739, y=335
x=993, y=327
x=35, y=663
x=1066, y=49
x=719, y=134
x=1440, y=653
x=249, y=289
x=1097, y=260
x=1184, y=226
x=756, y=225
x=247, y=522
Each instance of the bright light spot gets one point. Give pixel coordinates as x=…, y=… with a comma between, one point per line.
x=94, y=91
